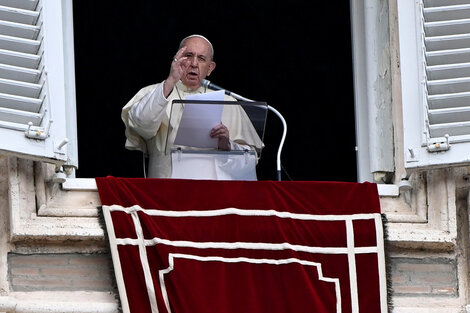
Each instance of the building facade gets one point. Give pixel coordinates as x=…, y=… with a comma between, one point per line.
x=411, y=83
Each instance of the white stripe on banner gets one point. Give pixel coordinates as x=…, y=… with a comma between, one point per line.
x=116, y=260
x=318, y=266
x=382, y=270
x=352, y=267
x=243, y=212
x=145, y=263
x=247, y=245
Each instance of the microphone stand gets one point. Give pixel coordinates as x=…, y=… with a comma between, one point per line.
x=284, y=133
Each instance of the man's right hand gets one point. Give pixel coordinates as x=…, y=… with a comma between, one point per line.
x=177, y=69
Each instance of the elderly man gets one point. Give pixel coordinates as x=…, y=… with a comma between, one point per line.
x=147, y=114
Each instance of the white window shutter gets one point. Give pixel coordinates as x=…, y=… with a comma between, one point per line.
x=37, y=93
x=435, y=65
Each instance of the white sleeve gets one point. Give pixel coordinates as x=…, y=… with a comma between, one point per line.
x=237, y=146
x=146, y=115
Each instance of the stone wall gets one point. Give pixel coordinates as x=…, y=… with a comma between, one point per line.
x=53, y=249
x=56, y=261
x=60, y=272
x=432, y=277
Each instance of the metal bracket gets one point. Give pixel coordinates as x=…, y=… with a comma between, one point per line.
x=439, y=145
x=38, y=133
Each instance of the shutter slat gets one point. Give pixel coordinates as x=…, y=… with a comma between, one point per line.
x=447, y=86
x=19, y=44
x=448, y=56
x=20, y=88
x=18, y=15
x=440, y=3
x=443, y=28
x=20, y=4
x=20, y=103
x=449, y=100
x=13, y=58
x=451, y=129
x=19, y=30
x=20, y=117
x=446, y=13
x=13, y=125
x=450, y=115
x=448, y=42
x=448, y=71
x=19, y=73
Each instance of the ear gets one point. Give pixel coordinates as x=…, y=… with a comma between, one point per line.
x=211, y=68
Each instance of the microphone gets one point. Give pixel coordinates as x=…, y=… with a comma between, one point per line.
x=207, y=84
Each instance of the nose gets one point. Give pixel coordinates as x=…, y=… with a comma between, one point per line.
x=194, y=61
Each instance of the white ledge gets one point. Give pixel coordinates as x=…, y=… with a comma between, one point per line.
x=388, y=190
x=90, y=184
x=80, y=184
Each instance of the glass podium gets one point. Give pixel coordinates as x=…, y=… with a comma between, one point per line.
x=194, y=155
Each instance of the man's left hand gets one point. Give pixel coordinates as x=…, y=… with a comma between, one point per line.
x=221, y=132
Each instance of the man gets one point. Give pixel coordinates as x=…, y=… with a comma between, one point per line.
x=147, y=114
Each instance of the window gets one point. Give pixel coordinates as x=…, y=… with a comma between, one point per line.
x=116, y=66
x=37, y=92
x=434, y=38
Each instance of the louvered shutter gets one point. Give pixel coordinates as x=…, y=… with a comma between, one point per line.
x=36, y=80
x=435, y=66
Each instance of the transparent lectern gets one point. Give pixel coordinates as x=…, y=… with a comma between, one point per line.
x=194, y=155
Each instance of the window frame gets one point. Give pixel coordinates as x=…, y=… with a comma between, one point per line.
x=372, y=85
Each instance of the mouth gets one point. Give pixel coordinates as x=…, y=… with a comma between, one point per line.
x=193, y=74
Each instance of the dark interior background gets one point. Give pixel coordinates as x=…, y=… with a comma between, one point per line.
x=295, y=55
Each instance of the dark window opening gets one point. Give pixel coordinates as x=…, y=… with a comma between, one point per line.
x=294, y=56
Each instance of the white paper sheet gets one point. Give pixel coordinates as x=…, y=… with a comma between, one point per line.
x=198, y=120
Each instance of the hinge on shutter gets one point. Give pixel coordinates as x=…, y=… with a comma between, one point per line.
x=439, y=144
x=38, y=133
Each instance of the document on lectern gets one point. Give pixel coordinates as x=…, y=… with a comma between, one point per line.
x=198, y=119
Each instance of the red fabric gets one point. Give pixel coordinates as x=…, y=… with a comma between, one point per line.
x=297, y=197
x=273, y=263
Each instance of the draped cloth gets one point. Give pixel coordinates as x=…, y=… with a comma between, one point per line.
x=242, y=246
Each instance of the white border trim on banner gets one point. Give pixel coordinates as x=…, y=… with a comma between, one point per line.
x=173, y=256
x=116, y=260
x=350, y=250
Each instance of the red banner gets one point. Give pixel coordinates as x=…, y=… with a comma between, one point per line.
x=254, y=247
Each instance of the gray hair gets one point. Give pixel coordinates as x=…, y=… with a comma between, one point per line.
x=198, y=36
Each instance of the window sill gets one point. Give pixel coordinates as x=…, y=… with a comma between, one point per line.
x=81, y=184
x=89, y=184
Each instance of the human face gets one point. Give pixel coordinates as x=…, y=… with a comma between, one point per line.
x=199, y=60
